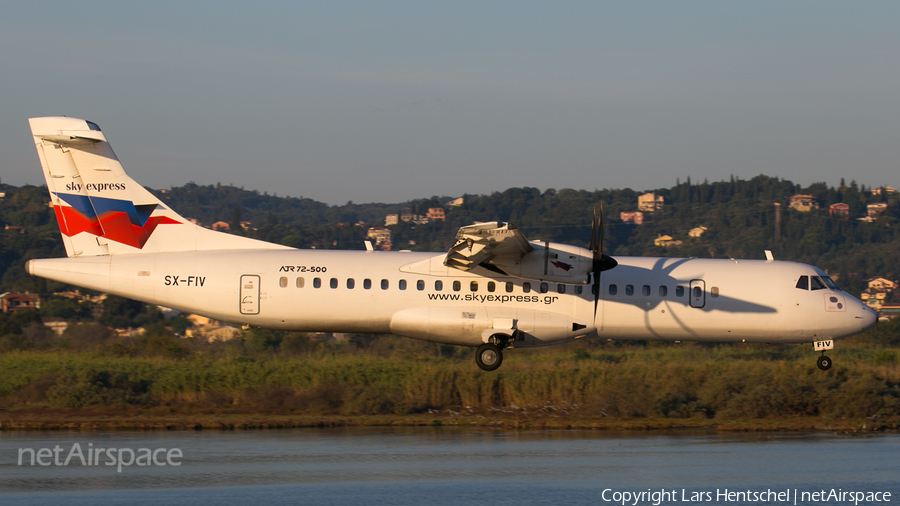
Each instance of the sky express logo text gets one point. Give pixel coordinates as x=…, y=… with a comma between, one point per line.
x=99, y=187
x=474, y=297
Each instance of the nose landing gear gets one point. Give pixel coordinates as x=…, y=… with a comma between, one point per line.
x=824, y=362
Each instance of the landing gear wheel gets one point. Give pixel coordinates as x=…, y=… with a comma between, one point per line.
x=824, y=362
x=488, y=357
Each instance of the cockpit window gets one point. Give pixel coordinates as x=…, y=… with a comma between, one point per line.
x=93, y=126
x=803, y=283
x=815, y=283
x=830, y=283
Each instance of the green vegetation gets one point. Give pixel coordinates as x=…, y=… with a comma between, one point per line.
x=287, y=373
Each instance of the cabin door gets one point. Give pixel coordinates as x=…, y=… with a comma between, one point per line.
x=698, y=293
x=249, y=294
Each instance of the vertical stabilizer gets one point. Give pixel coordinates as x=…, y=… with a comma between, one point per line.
x=100, y=209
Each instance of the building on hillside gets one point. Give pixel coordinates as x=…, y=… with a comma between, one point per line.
x=696, y=232
x=873, y=299
x=839, y=210
x=415, y=219
x=381, y=237
x=804, y=203
x=12, y=302
x=57, y=325
x=435, y=214
x=130, y=332
x=650, y=202
x=886, y=189
x=213, y=332
x=867, y=219
x=15, y=228
x=391, y=219
x=76, y=295
x=632, y=218
x=665, y=241
x=877, y=209
x=456, y=202
x=889, y=310
x=220, y=225
x=882, y=285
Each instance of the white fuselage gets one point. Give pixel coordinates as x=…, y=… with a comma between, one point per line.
x=415, y=295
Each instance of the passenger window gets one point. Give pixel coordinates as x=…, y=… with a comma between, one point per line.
x=714, y=291
x=438, y=285
x=613, y=289
x=663, y=290
x=803, y=283
x=545, y=288
x=333, y=283
x=679, y=291
x=367, y=284
x=420, y=285
x=473, y=286
x=300, y=282
x=351, y=283
x=815, y=283
x=698, y=292
x=629, y=290
x=317, y=283
x=385, y=284
x=578, y=289
x=402, y=284
x=509, y=287
x=526, y=287
x=457, y=286
x=492, y=286
x=645, y=290
x=282, y=282
x=560, y=288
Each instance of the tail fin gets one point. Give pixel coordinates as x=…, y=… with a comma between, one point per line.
x=102, y=211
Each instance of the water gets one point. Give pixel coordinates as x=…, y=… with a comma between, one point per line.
x=407, y=466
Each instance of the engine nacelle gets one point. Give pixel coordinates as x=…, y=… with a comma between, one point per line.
x=549, y=261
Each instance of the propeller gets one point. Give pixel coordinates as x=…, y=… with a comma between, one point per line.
x=600, y=261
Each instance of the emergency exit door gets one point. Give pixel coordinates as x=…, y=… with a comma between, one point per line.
x=249, y=294
x=698, y=293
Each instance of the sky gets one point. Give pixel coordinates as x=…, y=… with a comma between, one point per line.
x=390, y=101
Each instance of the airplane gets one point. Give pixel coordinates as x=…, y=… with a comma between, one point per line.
x=494, y=290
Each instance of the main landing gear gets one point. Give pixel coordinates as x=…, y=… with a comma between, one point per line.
x=824, y=362
x=489, y=355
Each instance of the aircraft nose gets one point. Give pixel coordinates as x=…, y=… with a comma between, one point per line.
x=867, y=316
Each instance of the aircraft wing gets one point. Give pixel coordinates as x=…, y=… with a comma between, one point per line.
x=481, y=243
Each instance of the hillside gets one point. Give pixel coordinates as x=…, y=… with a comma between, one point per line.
x=739, y=215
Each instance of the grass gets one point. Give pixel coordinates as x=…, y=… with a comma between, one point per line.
x=596, y=385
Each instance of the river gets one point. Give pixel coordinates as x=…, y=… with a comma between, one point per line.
x=411, y=466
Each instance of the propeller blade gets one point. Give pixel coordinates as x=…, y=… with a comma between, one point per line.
x=600, y=262
x=600, y=231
